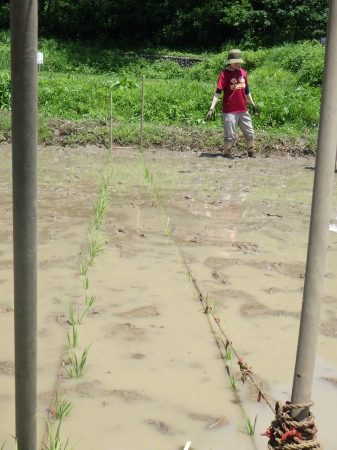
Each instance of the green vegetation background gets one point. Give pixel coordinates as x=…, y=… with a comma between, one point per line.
x=75, y=82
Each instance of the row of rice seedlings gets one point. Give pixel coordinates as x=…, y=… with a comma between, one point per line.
x=75, y=366
x=212, y=308
x=95, y=244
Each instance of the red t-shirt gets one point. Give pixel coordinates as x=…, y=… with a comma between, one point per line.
x=233, y=83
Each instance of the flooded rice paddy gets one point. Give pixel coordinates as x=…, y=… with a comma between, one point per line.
x=155, y=375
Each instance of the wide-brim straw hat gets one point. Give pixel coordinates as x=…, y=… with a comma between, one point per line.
x=234, y=56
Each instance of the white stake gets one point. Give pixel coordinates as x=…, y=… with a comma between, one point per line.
x=187, y=446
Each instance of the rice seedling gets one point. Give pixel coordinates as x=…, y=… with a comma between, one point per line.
x=3, y=446
x=167, y=228
x=55, y=442
x=89, y=301
x=95, y=246
x=232, y=381
x=249, y=425
x=73, y=339
x=77, y=320
x=62, y=407
x=84, y=267
x=188, y=275
x=100, y=207
x=85, y=283
x=212, y=308
x=76, y=366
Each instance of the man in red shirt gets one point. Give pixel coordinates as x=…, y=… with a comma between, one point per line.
x=234, y=84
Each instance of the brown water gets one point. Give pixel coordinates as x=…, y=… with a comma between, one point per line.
x=155, y=377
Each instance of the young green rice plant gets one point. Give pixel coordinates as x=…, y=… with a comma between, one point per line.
x=76, y=366
x=232, y=381
x=85, y=283
x=55, y=442
x=229, y=354
x=62, y=407
x=95, y=245
x=84, y=267
x=100, y=207
x=73, y=338
x=167, y=228
x=89, y=301
x=77, y=320
x=249, y=425
x=3, y=446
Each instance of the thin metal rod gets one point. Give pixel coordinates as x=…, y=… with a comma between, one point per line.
x=319, y=226
x=23, y=19
x=110, y=121
x=142, y=115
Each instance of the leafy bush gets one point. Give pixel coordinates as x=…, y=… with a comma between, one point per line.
x=5, y=91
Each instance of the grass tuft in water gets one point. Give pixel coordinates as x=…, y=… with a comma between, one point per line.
x=73, y=338
x=55, y=442
x=249, y=425
x=76, y=366
x=232, y=381
x=77, y=320
x=62, y=407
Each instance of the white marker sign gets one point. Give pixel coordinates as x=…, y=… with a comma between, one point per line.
x=39, y=58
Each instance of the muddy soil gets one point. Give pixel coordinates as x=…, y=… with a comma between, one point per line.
x=155, y=375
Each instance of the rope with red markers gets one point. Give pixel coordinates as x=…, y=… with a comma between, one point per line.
x=285, y=433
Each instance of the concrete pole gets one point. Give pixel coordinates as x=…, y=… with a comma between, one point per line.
x=319, y=225
x=142, y=116
x=23, y=20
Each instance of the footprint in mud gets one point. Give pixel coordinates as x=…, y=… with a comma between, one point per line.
x=220, y=277
x=329, y=328
x=290, y=270
x=329, y=299
x=7, y=367
x=90, y=389
x=6, y=310
x=47, y=397
x=129, y=395
x=217, y=263
x=135, y=332
x=256, y=309
x=160, y=426
x=138, y=356
x=331, y=380
x=216, y=422
x=144, y=311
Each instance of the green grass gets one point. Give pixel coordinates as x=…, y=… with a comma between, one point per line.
x=76, y=82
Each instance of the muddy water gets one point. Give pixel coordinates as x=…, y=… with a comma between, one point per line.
x=155, y=378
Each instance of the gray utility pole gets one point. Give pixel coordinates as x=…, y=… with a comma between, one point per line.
x=319, y=225
x=23, y=20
